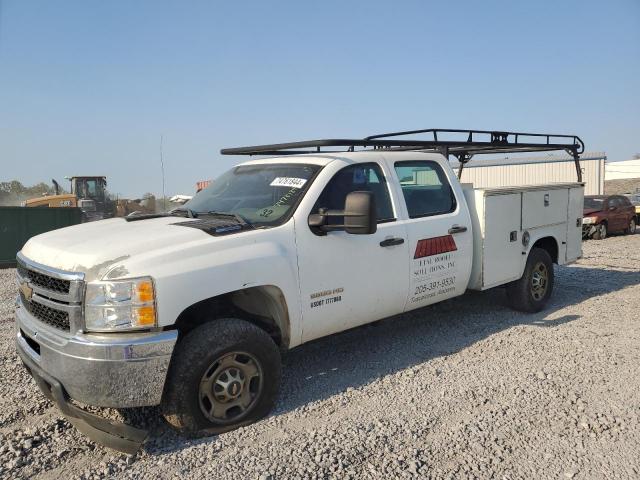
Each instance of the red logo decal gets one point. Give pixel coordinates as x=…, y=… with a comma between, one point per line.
x=435, y=246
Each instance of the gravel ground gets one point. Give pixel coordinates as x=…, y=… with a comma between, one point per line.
x=464, y=389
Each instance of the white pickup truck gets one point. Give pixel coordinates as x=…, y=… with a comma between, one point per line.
x=191, y=310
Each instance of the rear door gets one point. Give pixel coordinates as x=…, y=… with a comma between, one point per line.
x=439, y=232
x=617, y=214
x=628, y=209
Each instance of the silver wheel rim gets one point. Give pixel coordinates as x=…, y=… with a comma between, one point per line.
x=539, y=281
x=603, y=230
x=230, y=387
x=632, y=226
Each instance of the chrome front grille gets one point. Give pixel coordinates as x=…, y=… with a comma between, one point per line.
x=52, y=296
x=45, y=281
x=50, y=316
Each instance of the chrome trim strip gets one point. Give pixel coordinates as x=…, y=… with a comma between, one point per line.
x=63, y=307
x=50, y=271
x=76, y=291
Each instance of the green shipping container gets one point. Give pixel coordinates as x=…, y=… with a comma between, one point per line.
x=19, y=224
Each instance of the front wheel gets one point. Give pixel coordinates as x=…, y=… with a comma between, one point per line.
x=601, y=232
x=532, y=292
x=223, y=375
x=631, y=229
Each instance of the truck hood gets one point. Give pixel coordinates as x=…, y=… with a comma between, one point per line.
x=96, y=248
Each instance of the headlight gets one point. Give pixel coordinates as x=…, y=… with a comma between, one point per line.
x=589, y=220
x=120, y=305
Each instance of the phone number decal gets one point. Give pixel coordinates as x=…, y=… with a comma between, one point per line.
x=427, y=287
x=429, y=290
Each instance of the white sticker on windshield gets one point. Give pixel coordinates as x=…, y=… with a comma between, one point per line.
x=288, y=182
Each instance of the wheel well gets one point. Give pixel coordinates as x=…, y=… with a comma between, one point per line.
x=550, y=245
x=264, y=306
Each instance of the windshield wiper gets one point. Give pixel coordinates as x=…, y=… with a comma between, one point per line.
x=239, y=218
x=184, y=210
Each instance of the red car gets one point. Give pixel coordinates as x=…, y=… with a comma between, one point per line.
x=607, y=213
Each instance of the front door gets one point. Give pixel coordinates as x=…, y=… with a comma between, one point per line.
x=347, y=280
x=439, y=233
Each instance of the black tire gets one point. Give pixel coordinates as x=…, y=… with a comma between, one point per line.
x=195, y=356
x=631, y=229
x=521, y=294
x=601, y=231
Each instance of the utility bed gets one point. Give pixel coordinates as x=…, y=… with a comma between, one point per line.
x=504, y=218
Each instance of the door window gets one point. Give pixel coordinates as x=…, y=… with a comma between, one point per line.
x=365, y=177
x=425, y=188
x=623, y=202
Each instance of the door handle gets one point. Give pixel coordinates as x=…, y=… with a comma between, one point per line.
x=457, y=229
x=390, y=242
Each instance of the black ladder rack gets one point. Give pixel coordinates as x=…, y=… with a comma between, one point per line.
x=474, y=142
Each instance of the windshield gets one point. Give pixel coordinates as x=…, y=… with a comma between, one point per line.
x=260, y=194
x=595, y=203
x=89, y=188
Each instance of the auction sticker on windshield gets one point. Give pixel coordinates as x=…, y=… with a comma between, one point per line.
x=291, y=182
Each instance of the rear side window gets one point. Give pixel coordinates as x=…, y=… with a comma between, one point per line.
x=365, y=177
x=425, y=188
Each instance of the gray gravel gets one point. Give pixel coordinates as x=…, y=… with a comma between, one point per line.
x=464, y=389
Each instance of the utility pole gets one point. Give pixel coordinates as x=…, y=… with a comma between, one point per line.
x=164, y=201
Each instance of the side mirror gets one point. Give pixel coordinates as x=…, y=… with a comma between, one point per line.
x=360, y=213
x=359, y=216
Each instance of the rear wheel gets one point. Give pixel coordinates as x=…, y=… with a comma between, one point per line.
x=601, y=232
x=631, y=229
x=223, y=375
x=532, y=292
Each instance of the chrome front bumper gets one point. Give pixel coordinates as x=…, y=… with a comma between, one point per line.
x=107, y=370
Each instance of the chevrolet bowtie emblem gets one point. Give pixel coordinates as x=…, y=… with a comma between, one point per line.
x=26, y=290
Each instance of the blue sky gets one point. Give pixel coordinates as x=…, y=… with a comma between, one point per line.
x=88, y=87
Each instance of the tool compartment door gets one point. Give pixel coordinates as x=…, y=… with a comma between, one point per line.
x=544, y=207
x=502, y=242
x=574, y=224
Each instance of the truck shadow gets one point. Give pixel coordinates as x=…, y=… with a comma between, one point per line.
x=323, y=368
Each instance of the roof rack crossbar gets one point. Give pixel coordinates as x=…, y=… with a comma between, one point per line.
x=496, y=136
x=498, y=142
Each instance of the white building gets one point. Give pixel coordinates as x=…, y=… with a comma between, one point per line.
x=536, y=170
x=622, y=170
